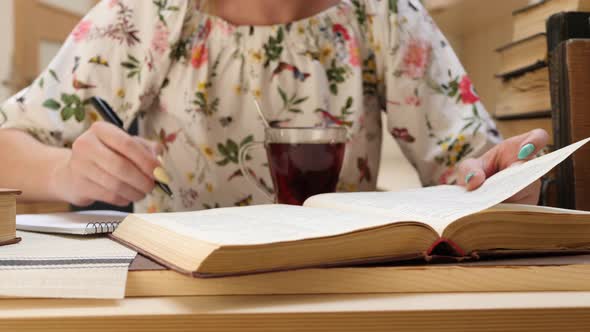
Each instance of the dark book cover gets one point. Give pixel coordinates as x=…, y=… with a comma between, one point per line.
x=559, y=85
x=562, y=27
x=566, y=25
x=569, y=74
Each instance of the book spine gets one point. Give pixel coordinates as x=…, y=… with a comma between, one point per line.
x=445, y=247
x=529, y=7
x=562, y=28
x=554, y=26
x=521, y=71
x=559, y=89
x=555, y=95
x=566, y=25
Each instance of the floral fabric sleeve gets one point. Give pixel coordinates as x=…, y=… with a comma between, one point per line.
x=119, y=52
x=432, y=109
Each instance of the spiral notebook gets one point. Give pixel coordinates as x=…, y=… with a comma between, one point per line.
x=80, y=223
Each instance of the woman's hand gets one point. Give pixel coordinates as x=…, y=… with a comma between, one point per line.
x=106, y=164
x=473, y=172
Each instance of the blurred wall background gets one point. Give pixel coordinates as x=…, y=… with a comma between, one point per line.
x=7, y=42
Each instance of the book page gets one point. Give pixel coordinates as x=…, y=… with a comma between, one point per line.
x=503, y=207
x=263, y=223
x=438, y=206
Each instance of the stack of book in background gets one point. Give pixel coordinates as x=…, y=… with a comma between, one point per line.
x=524, y=101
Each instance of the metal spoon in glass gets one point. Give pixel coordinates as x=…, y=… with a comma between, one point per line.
x=266, y=125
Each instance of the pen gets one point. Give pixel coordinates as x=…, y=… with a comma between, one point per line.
x=109, y=115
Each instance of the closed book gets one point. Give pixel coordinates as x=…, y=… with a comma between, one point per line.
x=525, y=96
x=8, y=216
x=530, y=20
x=552, y=273
x=528, y=53
x=64, y=266
x=567, y=25
x=514, y=127
x=570, y=83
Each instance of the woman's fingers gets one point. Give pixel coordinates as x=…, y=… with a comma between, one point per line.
x=96, y=192
x=534, y=141
x=132, y=148
x=471, y=174
x=122, y=169
x=122, y=156
x=113, y=184
x=521, y=147
x=152, y=147
x=98, y=172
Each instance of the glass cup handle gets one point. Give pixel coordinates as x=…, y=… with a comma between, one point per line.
x=242, y=161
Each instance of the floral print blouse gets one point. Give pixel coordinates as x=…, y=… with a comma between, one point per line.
x=189, y=78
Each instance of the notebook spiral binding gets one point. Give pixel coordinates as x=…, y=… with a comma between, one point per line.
x=101, y=227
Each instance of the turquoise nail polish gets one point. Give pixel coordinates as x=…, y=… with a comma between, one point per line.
x=526, y=151
x=469, y=176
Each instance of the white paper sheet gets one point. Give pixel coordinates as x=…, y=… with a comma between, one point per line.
x=440, y=205
x=263, y=223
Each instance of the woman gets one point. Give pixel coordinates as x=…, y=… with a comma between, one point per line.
x=189, y=72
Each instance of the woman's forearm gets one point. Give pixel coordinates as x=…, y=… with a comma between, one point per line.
x=29, y=165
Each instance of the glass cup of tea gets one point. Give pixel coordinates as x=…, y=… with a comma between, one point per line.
x=303, y=162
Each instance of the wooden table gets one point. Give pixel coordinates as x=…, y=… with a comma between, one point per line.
x=548, y=311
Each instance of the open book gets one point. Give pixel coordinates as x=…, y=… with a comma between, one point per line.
x=353, y=228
